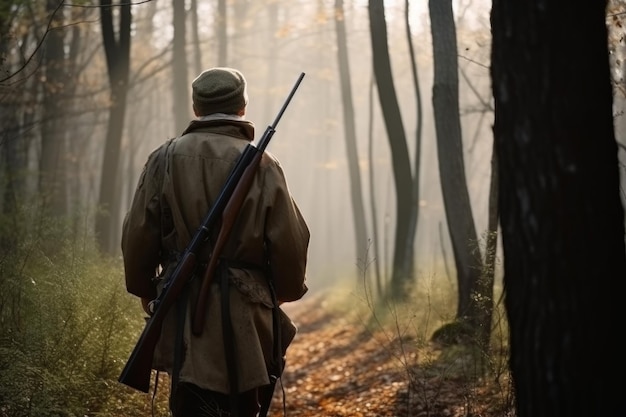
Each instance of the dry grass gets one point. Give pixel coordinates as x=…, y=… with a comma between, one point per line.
x=349, y=361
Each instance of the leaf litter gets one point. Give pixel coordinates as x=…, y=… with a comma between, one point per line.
x=337, y=366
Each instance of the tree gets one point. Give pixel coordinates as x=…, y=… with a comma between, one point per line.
x=468, y=262
x=59, y=166
x=52, y=169
x=197, y=53
x=402, y=273
x=12, y=154
x=418, y=130
x=221, y=33
x=356, y=193
x=180, y=85
x=560, y=212
x=117, y=50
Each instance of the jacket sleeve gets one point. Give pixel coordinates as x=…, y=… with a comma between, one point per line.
x=141, y=233
x=287, y=236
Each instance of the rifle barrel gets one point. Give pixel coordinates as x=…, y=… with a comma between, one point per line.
x=269, y=132
x=138, y=369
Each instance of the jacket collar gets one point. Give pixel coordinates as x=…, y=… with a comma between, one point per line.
x=225, y=124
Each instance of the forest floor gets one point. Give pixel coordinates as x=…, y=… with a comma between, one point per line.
x=344, y=362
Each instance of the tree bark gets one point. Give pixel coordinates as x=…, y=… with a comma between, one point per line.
x=450, y=156
x=52, y=173
x=418, y=132
x=356, y=191
x=402, y=274
x=380, y=263
x=180, y=84
x=561, y=216
x=197, y=52
x=12, y=150
x=118, y=66
x=221, y=35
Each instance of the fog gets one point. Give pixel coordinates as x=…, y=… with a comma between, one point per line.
x=309, y=140
x=272, y=43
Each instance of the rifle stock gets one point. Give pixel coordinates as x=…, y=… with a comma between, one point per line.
x=136, y=373
x=138, y=368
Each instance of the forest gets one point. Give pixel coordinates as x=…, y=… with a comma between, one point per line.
x=460, y=164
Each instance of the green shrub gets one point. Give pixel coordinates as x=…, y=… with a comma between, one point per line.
x=67, y=324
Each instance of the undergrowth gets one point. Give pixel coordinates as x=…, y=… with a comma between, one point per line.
x=66, y=322
x=67, y=327
x=405, y=330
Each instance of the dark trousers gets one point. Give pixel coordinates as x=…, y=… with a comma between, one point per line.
x=189, y=400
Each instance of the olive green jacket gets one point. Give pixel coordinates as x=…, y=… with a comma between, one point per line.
x=269, y=227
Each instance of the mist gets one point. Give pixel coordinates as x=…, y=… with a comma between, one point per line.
x=309, y=140
x=272, y=43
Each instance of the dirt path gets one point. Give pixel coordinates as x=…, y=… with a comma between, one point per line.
x=335, y=367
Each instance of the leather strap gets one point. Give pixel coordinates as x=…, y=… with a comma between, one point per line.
x=229, y=340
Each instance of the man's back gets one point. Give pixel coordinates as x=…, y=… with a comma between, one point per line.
x=267, y=243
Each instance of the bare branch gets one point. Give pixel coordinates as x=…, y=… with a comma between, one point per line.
x=48, y=28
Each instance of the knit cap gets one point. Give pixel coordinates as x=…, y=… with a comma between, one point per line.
x=219, y=90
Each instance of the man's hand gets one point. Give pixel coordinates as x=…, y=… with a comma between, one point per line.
x=146, y=304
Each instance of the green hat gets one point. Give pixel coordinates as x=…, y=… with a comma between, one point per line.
x=219, y=90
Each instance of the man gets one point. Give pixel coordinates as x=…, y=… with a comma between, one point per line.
x=269, y=240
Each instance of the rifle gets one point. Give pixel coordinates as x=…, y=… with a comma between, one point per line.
x=230, y=213
x=136, y=374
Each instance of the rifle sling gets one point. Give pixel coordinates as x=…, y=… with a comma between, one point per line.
x=227, y=329
x=181, y=313
x=278, y=362
x=167, y=225
x=229, y=339
x=167, y=222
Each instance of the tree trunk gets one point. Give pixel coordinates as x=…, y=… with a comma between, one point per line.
x=222, y=36
x=181, y=100
x=418, y=132
x=197, y=52
x=52, y=174
x=561, y=216
x=356, y=192
x=272, y=53
x=377, y=244
x=117, y=56
x=12, y=151
x=450, y=156
x=402, y=274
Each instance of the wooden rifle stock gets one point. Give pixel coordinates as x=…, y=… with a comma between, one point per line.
x=136, y=374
